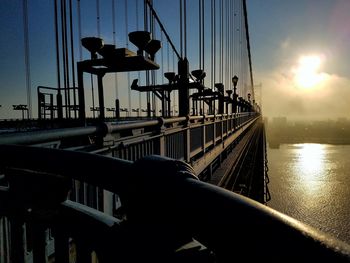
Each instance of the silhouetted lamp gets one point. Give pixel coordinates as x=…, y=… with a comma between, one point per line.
x=140, y=39
x=152, y=47
x=170, y=76
x=199, y=74
x=219, y=87
x=93, y=44
x=107, y=51
x=234, y=81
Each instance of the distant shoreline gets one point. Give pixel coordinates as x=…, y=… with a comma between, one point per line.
x=275, y=143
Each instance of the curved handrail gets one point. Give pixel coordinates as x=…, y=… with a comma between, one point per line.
x=166, y=204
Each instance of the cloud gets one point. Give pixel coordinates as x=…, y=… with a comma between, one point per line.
x=285, y=43
x=281, y=95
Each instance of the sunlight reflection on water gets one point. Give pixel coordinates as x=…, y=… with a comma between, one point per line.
x=310, y=182
x=310, y=166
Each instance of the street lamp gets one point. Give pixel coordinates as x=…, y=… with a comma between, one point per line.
x=234, y=96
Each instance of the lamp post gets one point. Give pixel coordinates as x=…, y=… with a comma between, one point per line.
x=234, y=96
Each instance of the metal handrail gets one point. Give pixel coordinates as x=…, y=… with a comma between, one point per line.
x=169, y=205
x=34, y=137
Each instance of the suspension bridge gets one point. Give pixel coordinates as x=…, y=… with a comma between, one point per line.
x=148, y=145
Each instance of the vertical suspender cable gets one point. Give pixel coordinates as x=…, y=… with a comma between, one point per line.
x=64, y=55
x=185, y=28
x=181, y=32
x=127, y=46
x=227, y=44
x=212, y=45
x=214, y=40
x=231, y=38
x=164, y=108
x=138, y=73
x=175, y=92
x=66, y=60
x=79, y=30
x=145, y=15
x=115, y=43
x=98, y=18
x=58, y=67
x=200, y=33
x=220, y=42
x=72, y=56
x=26, y=57
x=203, y=35
x=153, y=79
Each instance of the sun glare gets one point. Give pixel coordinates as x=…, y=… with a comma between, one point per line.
x=306, y=73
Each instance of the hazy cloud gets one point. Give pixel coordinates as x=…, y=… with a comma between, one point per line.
x=281, y=96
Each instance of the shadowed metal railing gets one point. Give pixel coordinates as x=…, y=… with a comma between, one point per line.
x=164, y=206
x=183, y=138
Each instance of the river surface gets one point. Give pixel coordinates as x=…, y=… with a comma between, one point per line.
x=311, y=182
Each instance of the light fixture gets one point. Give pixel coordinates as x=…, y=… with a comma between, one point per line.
x=93, y=44
x=235, y=80
x=152, y=47
x=199, y=74
x=170, y=76
x=219, y=87
x=107, y=51
x=140, y=39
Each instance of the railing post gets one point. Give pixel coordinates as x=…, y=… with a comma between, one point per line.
x=81, y=97
x=61, y=246
x=183, y=70
x=203, y=134
x=101, y=96
x=187, y=140
x=214, y=131
x=162, y=145
x=39, y=244
x=222, y=128
x=17, y=241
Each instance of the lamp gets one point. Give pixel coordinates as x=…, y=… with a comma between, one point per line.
x=92, y=44
x=107, y=51
x=140, y=39
x=170, y=76
x=235, y=80
x=152, y=47
x=199, y=74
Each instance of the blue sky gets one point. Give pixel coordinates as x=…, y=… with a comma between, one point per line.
x=281, y=32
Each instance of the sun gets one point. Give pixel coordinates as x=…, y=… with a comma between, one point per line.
x=307, y=75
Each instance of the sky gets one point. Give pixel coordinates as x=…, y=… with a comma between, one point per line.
x=300, y=55
x=299, y=52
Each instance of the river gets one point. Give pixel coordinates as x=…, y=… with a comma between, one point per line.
x=311, y=182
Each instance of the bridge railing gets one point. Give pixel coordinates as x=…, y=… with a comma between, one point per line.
x=198, y=140
x=180, y=138
x=164, y=207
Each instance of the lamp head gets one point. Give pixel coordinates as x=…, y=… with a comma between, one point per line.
x=152, y=47
x=140, y=39
x=219, y=87
x=93, y=44
x=199, y=74
x=107, y=51
x=235, y=80
x=170, y=76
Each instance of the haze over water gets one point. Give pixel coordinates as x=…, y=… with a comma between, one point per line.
x=309, y=182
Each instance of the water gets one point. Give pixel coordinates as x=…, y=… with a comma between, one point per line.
x=311, y=182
